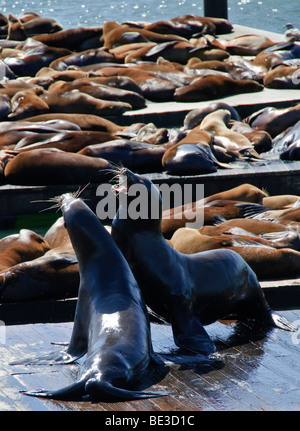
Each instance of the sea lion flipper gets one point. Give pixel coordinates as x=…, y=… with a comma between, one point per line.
x=58, y=357
x=281, y=322
x=68, y=393
x=190, y=334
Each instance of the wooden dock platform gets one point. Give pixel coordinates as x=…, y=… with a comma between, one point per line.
x=249, y=372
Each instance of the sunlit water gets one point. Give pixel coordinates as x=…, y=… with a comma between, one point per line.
x=269, y=15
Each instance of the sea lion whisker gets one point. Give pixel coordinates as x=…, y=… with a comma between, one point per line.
x=50, y=208
x=79, y=192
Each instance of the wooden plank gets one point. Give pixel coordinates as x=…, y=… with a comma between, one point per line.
x=250, y=371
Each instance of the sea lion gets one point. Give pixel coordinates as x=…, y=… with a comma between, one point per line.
x=189, y=240
x=266, y=260
x=217, y=123
x=214, y=87
x=23, y=246
x=73, y=39
x=152, y=87
x=138, y=156
x=20, y=29
x=111, y=325
x=192, y=155
x=58, y=238
x=282, y=141
x=26, y=104
x=240, y=68
x=250, y=44
x=207, y=25
x=115, y=34
x=53, y=166
x=259, y=139
x=281, y=53
x=189, y=159
x=282, y=77
x=292, y=152
x=67, y=140
x=100, y=91
x=77, y=102
x=51, y=276
x=195, y=116
x=33, y=60
x=83, y=121
x=280, y=201
x=187, y=290
x=210, y=207
x=255, y=226
x=83, y=58
x=274, y=120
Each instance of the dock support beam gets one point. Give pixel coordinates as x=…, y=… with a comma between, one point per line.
x=216, y=8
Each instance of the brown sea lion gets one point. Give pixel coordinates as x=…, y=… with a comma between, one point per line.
x=254, y=226
x=189, y=240
x=99, y=91
x=280, y=201
x=217, y=123
x=26, y=104
x=259, y=139
x=266, y=261
x=283, y=77
x=53, y=166
x=23, y=246
x=58, y=238
x=77, y=102
x=72, y=39
x=51, y=276
x=152, y=87
x=250, y=44
x=70, y=141
x=281, y=53
x=115, y=34
x=175, y=217
x=213, y=87
x=84, y=121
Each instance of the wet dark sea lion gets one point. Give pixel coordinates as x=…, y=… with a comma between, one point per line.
x=138, y=156
x=187, y=290
x=274, y=120
x=111, y=325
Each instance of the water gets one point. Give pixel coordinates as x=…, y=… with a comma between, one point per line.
x=269, y=15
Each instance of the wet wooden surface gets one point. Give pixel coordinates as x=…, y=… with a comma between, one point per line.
x=251, y=371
